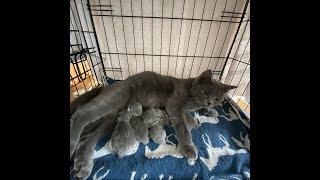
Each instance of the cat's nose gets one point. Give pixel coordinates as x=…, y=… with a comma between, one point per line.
x=209, y=103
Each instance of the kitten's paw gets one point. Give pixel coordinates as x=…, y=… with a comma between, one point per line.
x=160, y=140
x=145, y=140
x=191, y=162
x=189, y=151
x=158, y=137
x=83, y=168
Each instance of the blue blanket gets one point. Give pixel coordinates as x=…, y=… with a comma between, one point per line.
x=223, y=147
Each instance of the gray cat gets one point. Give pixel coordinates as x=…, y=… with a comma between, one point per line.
x=152, y=90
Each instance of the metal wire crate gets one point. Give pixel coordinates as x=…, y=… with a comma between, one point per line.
x=119, y=38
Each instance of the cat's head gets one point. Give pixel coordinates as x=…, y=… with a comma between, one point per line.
x=208, y=92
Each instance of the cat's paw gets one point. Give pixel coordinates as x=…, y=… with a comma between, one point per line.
x=211, y=112
x=189, y=151
x=82, y=168
x=196, y=124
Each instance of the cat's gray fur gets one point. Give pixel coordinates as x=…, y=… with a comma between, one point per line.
x=152, y=90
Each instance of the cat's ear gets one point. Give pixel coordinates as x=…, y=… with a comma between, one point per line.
x=227, y=87
x=204, y=77
x=206, y=74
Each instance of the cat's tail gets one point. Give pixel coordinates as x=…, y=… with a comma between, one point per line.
x=84, y=98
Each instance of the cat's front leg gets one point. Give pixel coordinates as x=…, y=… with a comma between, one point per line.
x=192, y=122
x=176, y=110
x=185, y=143
x=183, y=134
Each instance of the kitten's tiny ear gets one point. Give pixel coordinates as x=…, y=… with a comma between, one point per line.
x=227, y=87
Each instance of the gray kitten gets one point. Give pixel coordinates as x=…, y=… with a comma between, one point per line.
x=156, y=119
x=140, y=129
x=154, y=116
x=124, y=136
x=158, y=134
x=152, y=90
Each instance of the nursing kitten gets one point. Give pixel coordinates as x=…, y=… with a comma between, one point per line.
x=124, y=136
x=156, y=119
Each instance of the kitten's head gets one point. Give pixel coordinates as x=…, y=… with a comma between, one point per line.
x=154, y=115
x=208, y=92
x=135, y=109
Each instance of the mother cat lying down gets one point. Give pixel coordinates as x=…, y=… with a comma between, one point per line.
x=152, y=90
